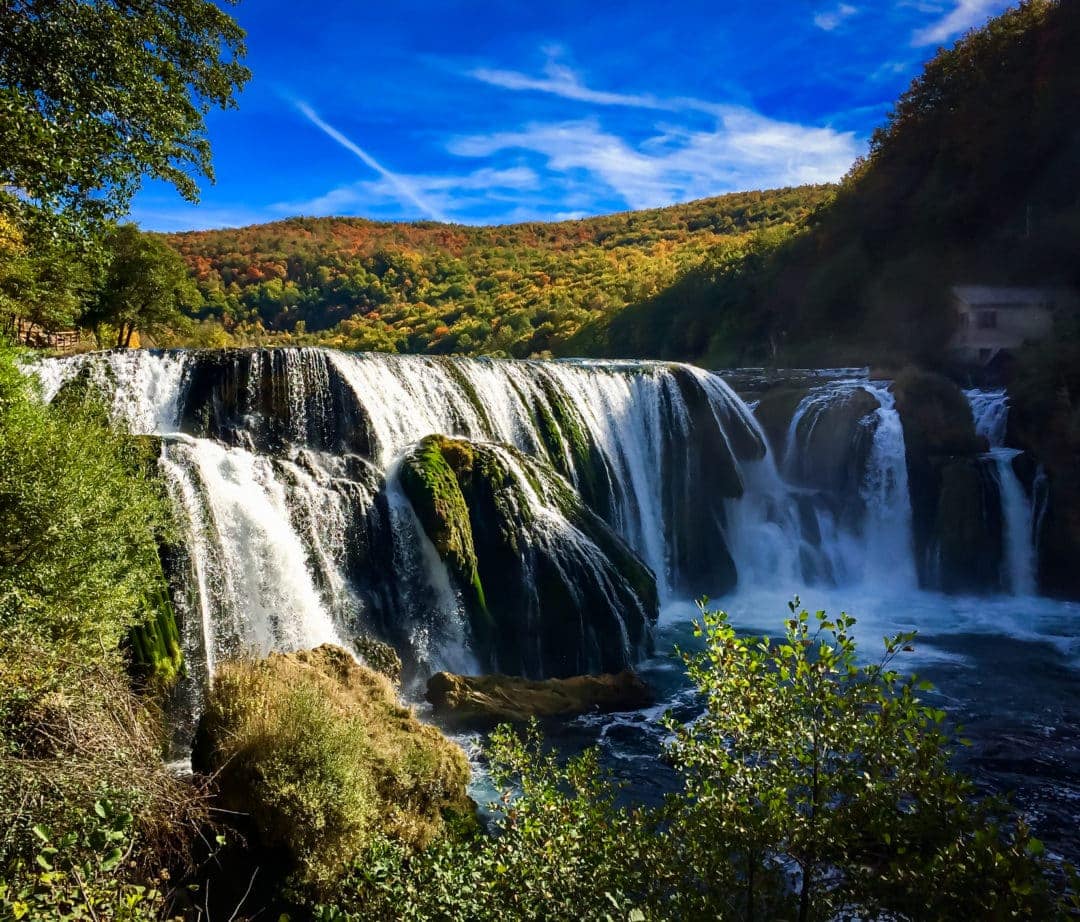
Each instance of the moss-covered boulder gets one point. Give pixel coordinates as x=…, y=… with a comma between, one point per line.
x=493, y=698
x=550, y=589
x=379, y=656
x=316, y=757
x=935, y=414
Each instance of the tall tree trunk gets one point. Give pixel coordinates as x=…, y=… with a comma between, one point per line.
x=130, y=333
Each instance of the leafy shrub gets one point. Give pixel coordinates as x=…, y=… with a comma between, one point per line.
x=814, y=787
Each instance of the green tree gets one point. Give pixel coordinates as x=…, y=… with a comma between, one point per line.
x=806, y=759
x=146, y=287
x=96, y=94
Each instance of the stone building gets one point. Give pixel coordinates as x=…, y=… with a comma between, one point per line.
x=992, y=320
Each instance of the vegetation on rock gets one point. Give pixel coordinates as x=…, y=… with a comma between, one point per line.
x=319, y=756
x=540, y=603
x=494, y=698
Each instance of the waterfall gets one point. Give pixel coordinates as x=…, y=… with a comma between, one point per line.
x=627, y=485
x=991, y=412
x=282, y=465
x=888, y=529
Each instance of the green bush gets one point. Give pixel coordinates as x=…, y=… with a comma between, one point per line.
x=814, y=787
x=80, y=515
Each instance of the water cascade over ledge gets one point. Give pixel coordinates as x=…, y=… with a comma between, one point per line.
x=481, y=515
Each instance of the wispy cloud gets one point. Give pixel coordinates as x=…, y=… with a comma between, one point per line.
x=964, y=15
x=746, y=150
x=445, y=193
x=560, y=80
x=400, y=184
x=831, y=19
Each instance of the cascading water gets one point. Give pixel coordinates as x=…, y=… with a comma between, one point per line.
x=283, y=465
x=991, y=412
x=286, y=468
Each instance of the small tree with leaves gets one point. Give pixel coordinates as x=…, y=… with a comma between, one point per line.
x=146, y=288
x=825, y=785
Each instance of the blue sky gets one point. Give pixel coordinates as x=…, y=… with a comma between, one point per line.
x=485, y=112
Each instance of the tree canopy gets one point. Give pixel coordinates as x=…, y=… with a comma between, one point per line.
x=96, y=95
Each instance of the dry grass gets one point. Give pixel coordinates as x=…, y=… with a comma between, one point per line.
x=319, y=753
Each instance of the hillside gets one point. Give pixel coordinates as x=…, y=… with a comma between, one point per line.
x=971, y=179
x=423, y=287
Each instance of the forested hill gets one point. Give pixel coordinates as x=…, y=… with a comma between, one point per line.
x=517, y=289
x=973, y=179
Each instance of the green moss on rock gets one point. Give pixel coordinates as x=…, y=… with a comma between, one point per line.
x=320, y=758
x=430, y=481
x=556, y=601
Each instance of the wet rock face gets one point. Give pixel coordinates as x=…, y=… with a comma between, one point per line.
x=1047, y=426
x=775, y=410
x=966, y=550
x=549, y=587
x=494, y=698
x=834, y=444
x=267, y=399
x=957, y=535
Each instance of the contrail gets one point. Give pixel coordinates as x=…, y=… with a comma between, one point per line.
x=402, y=186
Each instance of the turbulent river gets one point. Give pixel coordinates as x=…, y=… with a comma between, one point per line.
x=286, y=467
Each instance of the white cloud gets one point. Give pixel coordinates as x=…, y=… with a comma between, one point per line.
x=401, y=185
x=444, y=194
x=745, y=150
x=964, y=15
x=560, y=80
x=833, y=18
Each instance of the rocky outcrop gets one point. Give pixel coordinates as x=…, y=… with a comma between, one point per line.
x=379, y=656
x=953, y=498
x=314, y=756
x=494, y=698
x=549, y=587
x=834, y=443
x=1045, y=421
x=774, y=411
x=966, y=548
x=269, y=398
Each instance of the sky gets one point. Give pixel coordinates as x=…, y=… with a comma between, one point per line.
x=497, y=112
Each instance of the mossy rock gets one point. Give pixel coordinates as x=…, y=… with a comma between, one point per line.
x=491, y=699
x=429, y=476
x=379, y=656
x=935, y=414
x=542, y=600
x=318, y=758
